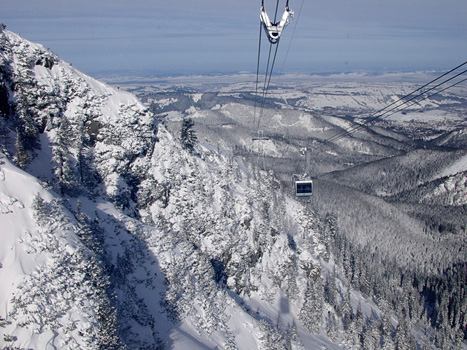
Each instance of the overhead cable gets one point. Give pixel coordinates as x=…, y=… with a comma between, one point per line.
x=401, y=102
x=268, y=73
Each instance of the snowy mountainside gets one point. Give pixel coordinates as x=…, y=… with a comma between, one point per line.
x=216, y=224
x=390, y=176
x=450, y=190
x=48, y=297
x=391, y=194
x=310, y=108
x=85, y=123
x=136, y=242
x=238, y=127
x=432, y=179
x=366, y=219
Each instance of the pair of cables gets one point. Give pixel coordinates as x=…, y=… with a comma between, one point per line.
x=269, y=68
x=272, y=54
x=415, y=97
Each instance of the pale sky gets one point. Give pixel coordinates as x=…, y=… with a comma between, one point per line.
x=215, y=36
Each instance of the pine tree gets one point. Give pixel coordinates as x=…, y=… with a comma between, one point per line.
x=269, y=337
x=22, y=157
x=402, y=337
x=27, y=139
x=347, y=309
x=188, y=136
x=82, y=149
x=312, y=310
x=293, y=339
x=459, y=337
x=332, y=329
x=372, y=336
x=63, y=170
x=386, y=331
x=292, y=290
x=331, y=289
x=357, y=326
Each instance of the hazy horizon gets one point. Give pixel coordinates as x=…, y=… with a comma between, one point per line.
x=211, y=37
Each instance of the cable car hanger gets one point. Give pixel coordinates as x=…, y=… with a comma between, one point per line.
x=274, y=30
x=303, y=184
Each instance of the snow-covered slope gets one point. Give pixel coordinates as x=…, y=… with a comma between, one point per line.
x=404, y=172
x=47, y=299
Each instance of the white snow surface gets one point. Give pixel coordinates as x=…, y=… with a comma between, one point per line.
x=26, y=251
x=17, y=253
x=426, y=117
x=458, y=167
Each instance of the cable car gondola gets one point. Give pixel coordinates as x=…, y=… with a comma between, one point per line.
x=260, y=136
x=303, y=186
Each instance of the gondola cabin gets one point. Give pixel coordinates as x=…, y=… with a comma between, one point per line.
x=303, y=188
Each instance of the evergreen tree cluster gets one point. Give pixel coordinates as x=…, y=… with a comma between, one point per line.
x=188, y=136
x=215, y=240
x=420, y=299
x=72, y=283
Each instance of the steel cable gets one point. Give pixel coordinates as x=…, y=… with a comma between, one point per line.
x=377, y=115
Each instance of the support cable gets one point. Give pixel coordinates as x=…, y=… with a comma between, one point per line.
x=359, y=126
x=428, y=96
x=275, y=13
x=415, y=97
x=269, y=70
x=257, y=71
x=266, y=86
x=377, y=115
x=291, y=38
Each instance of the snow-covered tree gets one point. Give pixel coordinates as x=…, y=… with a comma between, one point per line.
x=331, y=289
x=26, y=141
x=346, y=309
x=188, y=136
x=311, y=313
x=270, y=339
x=63, y=169
x=371, y=336
x=402, y=337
